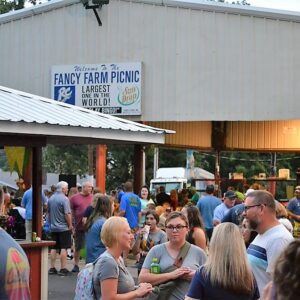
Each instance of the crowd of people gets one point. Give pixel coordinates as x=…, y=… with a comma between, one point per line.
x=240, y=246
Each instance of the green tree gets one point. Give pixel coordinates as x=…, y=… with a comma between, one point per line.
x=5, y=6
x=73, y=159
x=69, y=159
x=3, y=161
x=8, y=5
x=119, y=165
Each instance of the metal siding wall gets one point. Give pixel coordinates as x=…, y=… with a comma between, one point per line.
x=188, y=134
x=198, y=65
x=268, y=135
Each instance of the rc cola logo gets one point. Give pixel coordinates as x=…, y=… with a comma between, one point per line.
x=65, y=94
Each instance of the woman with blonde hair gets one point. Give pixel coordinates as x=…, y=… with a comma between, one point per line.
x=111, y=279
x=227, y=273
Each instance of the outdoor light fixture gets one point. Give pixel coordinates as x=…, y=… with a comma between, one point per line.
x=94, y=4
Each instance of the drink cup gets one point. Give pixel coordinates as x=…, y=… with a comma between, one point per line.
x=146, y=232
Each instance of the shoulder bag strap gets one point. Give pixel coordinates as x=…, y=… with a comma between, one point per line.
x=182, y=254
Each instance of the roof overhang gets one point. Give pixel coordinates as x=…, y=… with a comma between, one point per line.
x=27, y=119
x=24, y=133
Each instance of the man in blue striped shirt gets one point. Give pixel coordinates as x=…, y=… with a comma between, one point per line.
x=272, y=236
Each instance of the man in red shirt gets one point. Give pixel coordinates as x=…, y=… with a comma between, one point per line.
x=79, y=202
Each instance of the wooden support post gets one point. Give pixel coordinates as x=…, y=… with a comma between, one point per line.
x=91, y=160
x=101, y=167
x=139, y=168
x=155, y=161
x=217, y=173
x=273, y=173
x=37, y=190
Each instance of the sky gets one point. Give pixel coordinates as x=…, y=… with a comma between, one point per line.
x=293, y=5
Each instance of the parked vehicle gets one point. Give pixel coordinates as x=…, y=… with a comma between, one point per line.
x=179, y=178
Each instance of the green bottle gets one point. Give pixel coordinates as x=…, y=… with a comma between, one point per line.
x=155, y=267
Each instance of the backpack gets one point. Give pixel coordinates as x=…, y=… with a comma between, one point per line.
x=84, y=286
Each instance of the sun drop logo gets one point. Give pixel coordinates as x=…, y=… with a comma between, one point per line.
x=65, y=94
x=129, y=95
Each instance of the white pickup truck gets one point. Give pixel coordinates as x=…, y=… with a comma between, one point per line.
x=178, y=178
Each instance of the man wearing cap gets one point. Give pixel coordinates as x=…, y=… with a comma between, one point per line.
x=222, y=209
x=272, y=238
x=293, y=209
x=235, y=214
x=21, y=188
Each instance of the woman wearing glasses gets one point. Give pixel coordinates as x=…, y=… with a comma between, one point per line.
x=227, y=274
x=178, y=260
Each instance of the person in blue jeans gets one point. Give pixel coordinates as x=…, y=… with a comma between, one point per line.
x=206, y=206
x=103, y=210
x=27, y=204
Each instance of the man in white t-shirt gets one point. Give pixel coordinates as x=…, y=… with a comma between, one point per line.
x=272, y=236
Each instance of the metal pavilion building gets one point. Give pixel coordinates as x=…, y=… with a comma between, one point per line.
x=223, y=76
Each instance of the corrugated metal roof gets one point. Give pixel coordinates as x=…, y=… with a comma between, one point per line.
x=17, y=106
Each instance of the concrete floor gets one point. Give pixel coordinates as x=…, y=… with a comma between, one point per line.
x=63, y=287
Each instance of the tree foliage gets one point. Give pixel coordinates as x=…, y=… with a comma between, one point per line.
x=119, y=165
x=8, y=5
x=73, y=159
x=70, y=159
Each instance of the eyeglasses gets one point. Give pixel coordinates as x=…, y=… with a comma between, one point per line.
x=176, y=228
x=247, y=207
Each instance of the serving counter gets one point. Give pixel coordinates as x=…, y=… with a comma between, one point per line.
x=37, y=254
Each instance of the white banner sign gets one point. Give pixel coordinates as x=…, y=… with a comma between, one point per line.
x=107, y=88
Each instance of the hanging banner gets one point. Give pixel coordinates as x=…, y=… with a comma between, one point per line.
x=107, y=88
x=15, y=158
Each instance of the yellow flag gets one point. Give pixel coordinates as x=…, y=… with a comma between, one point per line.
x=15, y=158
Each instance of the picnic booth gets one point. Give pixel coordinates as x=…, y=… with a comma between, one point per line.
x=31, y=121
